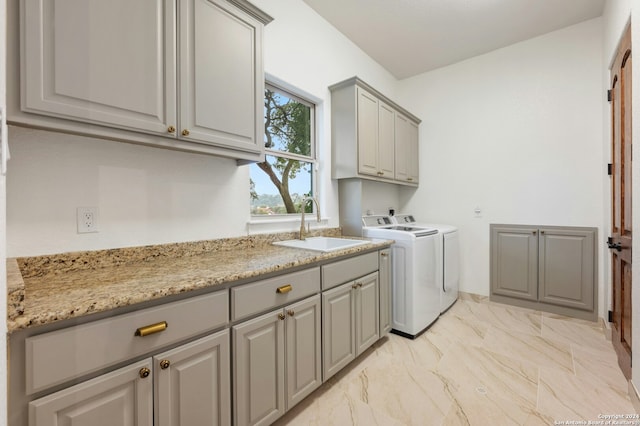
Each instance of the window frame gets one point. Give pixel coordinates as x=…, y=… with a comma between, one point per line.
x=312, y=159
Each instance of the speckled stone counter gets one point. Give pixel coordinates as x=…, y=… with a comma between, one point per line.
x=45, y=289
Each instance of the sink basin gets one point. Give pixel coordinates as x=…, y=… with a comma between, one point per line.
x=324, y=244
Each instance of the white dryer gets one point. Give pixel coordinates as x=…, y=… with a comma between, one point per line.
x=448, y=258
x=415, y=285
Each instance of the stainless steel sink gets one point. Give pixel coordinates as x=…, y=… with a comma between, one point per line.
x=323, y=244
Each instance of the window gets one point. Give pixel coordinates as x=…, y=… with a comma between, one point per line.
x=280, y=183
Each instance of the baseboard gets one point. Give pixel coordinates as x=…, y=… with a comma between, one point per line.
x=633, y=395
x=606, y=328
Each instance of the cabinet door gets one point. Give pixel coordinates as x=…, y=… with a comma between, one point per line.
x=385, y=291
x=402, y=148
x=338, y=330
x=259, y=369
x=366, y=311
x=514, y=262
x=304, y=353
x=120, y=398
x=104, y=62
x=192, y=385
x=367, y=133
x=566, y=268
x=414, y=153
x=221, y=75
x=407, y=154
x=386, y=140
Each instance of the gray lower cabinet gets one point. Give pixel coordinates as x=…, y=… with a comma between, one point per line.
x=188, y=385
x=514, y=262
x=193, y=384
x=338, y=330
x=384, y=274
x=119, y=398
x=288, y=333
x=545, y=267
x=350, y=317
x=277, y=361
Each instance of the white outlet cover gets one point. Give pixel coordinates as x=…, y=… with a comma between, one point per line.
x=87, y=220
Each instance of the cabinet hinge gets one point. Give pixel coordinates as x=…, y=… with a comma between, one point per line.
x=609, y=169
x=610, y=319
x=609, y=95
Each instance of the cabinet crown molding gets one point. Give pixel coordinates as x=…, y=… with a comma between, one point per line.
x=252, y=10
x=355, y=80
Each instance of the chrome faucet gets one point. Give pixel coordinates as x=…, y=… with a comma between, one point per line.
x=302, y=237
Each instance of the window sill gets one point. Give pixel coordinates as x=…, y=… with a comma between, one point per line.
x=284, y=224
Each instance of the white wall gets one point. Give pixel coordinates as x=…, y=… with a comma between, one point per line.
x=516, y=132
x=378, y=197
x=151, y=196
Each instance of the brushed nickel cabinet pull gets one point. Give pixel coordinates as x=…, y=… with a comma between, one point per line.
x=151, y=329
x=284, y=289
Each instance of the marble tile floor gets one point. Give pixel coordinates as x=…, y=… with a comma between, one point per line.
x=481, y=363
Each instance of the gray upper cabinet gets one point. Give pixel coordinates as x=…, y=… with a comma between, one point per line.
x=386, y=140
x=406, y=165
x=373, y=137
x=182, y=74
x=367, y=133
x=221, y=77
x=376, y=136
x=549, y=268
x=78, y=65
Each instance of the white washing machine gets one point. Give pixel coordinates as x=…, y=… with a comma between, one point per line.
x=448, y=258
x=415, y=285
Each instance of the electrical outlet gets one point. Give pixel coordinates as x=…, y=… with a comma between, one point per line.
x=87, y=219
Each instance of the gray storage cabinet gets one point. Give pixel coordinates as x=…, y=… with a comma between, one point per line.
x=385, y=291
x=549, y=268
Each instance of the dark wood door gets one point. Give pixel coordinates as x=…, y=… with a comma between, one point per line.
x=621, y=227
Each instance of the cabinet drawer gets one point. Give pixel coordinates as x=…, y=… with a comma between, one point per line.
x=349, y=269
x=263, y=295
x=62, y=355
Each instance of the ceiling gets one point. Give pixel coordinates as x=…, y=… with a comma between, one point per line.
x=409, y=37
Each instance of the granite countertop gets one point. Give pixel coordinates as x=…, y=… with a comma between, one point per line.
x=45, y=289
